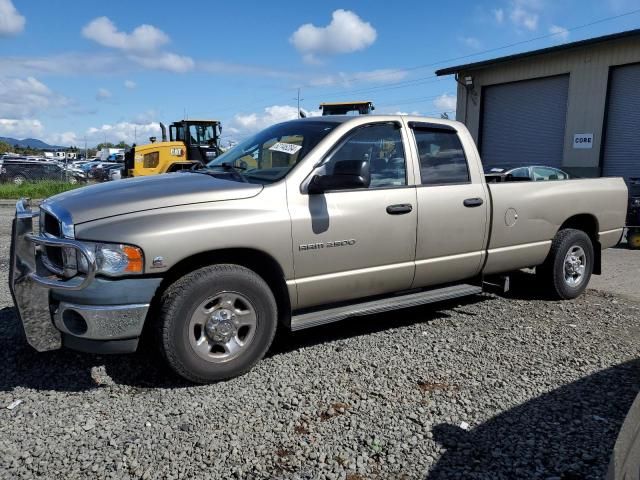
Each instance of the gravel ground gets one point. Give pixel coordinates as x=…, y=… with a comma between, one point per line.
x=543, y=386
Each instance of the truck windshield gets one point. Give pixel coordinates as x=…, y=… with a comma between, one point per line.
x=270, y=154
x=201, y=134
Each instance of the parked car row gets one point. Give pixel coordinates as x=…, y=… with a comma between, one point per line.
x=519, y=173
x=19, y=170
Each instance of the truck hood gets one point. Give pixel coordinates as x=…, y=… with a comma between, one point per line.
x=147, y=193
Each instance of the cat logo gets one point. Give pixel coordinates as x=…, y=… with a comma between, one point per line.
x=176, y=151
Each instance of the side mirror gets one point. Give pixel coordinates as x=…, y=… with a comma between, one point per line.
x=346, y=175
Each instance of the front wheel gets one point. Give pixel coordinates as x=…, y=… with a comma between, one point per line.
x=569, y=265
x=216, y=322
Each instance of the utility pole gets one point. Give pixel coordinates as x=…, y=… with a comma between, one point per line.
x=298, y=99
x=135, y=134
x=86, y=156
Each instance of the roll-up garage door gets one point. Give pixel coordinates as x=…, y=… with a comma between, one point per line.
x=622, y=131
x=523, y=123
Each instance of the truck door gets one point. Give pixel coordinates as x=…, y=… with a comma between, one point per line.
x=357, y=243
x=453, y=209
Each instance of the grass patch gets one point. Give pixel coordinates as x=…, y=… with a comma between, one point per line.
x=42, y=189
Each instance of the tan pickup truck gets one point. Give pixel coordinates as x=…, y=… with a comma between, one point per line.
x=307, y=222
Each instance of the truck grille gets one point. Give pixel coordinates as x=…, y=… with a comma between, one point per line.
x=53, y=256
x=51, y=225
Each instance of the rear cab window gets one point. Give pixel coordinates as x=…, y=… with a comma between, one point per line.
x=441, y=156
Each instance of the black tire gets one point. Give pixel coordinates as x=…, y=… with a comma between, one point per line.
x=552, y=272
x=179, y=303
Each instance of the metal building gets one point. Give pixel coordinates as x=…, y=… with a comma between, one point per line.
x=575, y=106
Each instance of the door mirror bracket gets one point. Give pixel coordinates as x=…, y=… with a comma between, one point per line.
x=347, y=175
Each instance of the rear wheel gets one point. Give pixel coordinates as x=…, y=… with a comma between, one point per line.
x=568, y=267
x=216, y=322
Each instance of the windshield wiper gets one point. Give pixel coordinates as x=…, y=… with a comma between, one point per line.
x=227, y=167
x=230, y=166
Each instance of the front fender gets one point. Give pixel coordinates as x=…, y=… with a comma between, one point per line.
x=170, y=235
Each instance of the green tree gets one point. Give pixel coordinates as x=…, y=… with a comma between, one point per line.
x=100, y=146
x=5, y=147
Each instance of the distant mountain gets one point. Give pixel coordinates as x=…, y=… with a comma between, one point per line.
x=29, y=143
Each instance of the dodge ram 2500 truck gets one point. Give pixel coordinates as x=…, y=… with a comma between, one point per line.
x=307, y=222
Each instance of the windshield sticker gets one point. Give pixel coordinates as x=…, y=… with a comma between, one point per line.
x=289, y=148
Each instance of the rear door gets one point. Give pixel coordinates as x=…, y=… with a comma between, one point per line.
x=453, y=208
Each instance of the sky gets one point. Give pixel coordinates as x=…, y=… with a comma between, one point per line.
x=76, y=71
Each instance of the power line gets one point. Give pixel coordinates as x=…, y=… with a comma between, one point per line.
x=428, y=79
x=503, y=47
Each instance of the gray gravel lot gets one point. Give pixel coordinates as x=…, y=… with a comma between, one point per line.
x=543, y=385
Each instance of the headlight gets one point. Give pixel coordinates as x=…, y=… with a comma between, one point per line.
x=114, y=259
x=635, y=202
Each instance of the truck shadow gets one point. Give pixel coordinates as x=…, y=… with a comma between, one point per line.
x=568, y=433
x=524, y=285
x=287, y=341
x=66, y=370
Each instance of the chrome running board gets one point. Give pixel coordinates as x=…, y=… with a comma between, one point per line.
x=335, y=314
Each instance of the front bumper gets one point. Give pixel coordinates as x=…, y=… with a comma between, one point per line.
x=55, y=311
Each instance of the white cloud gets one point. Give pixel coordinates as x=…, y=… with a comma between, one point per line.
x=165, y=61
x=227, y=68
x=25, y=97
x=126, y=131
x=498, y=14
x=64, y=139
x=103, y=94
x=347, y=79
x=253, y=122
x=146, y=117
x=144, y=38
x=471, y=42
x=445, y=103
x=141, y=46
x=11, y=22
x=560, y=33
x=346, y=33
x=20, y=128
x=67, y=64
x=130, y=84
x=524, y=14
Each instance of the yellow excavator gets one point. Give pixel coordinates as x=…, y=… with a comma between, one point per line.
x=191, y=143
x=347, y=108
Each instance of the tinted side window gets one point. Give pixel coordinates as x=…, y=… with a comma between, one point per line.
x=547, y=173
x=442, y=159
x=520, y=174
x=380, y=145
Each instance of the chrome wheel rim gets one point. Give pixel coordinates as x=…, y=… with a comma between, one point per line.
x=222, y=327
x=18, y=181
x=575, y=266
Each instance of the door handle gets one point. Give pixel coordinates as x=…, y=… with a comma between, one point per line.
x=473, y=202
x=399, y=209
